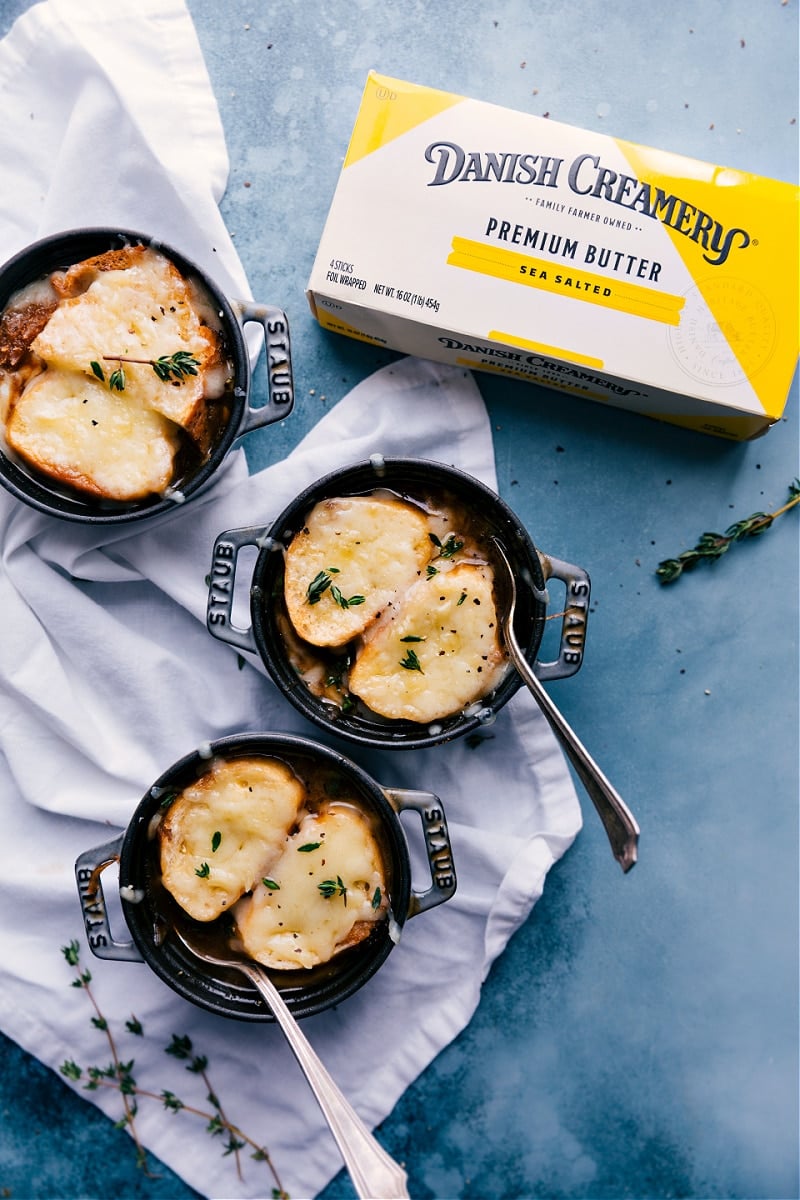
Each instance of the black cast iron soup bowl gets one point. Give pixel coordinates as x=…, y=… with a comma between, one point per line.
x=152, y=915
x=481, y=515
x=233, y=414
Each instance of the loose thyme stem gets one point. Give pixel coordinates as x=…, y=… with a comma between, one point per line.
x=181, y=1048
x=212, y=1096
x=125, y=358
x=259, y=1152
x=120, y=1078
x=83, y=979
x=713, y=545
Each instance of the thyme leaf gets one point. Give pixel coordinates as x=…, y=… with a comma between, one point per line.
x=308, y=847
x=203, y=871
x=179, y=364
x=216, y=838
x=271, y=884
x=179, y=1047
x=449, y=547
x=411, y=662
x=711, y=546
x=330, y=888
x=318, y=586
x=343, y=601
x=116, y=380
x=71, y=953
x=171, y=1101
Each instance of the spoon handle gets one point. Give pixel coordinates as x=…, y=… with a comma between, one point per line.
x=375, y=1174
x=618, y=820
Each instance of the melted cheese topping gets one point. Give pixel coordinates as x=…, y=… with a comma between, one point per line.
x=421, y=639
x=144, y=312
x=79, y=432
x=323, y=894
x=133, y=303
x=437, y=653
x=369, y=547
x=226, y=831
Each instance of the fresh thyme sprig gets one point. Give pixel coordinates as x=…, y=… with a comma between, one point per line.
x=119, y=1076
x=411, y=662
x=345, y=601
x=712, y=546
x=320, y=584
x=448, y=548
x=180, y=364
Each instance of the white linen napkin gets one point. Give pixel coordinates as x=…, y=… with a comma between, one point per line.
x=108, y=675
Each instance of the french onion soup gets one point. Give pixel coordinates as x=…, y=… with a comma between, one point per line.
x=113, y=375
x=388, y=606
x=281, y=856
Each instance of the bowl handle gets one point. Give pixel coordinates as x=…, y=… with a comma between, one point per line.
x=280, y=385
x=222, y=583
x=437, y=844
x=573, y=625
x=88, y=868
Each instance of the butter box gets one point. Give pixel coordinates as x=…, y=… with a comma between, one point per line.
x=499, y=241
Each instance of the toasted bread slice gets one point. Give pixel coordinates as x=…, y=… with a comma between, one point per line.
x=144, y=311
x=78, y=433
x=437, y=653
x=224, y=832
x=369, y=548
x=324, y=893
x=19, y=327
x=76, y=279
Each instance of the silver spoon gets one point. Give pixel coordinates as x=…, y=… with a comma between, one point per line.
x=619, y=822
x=375, y=1174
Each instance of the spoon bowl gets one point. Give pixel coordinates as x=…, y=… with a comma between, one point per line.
x=373, y=1172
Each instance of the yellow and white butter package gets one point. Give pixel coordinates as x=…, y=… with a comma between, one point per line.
x=476, y=235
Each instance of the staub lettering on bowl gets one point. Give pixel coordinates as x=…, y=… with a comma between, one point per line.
x=220, y=592
x=92, y=906
x=575, y=621
x=438, y=843
x=280, y=373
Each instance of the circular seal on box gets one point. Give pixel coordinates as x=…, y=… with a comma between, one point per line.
x=726, y=333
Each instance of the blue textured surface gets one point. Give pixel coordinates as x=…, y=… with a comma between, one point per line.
x=639, y=1038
